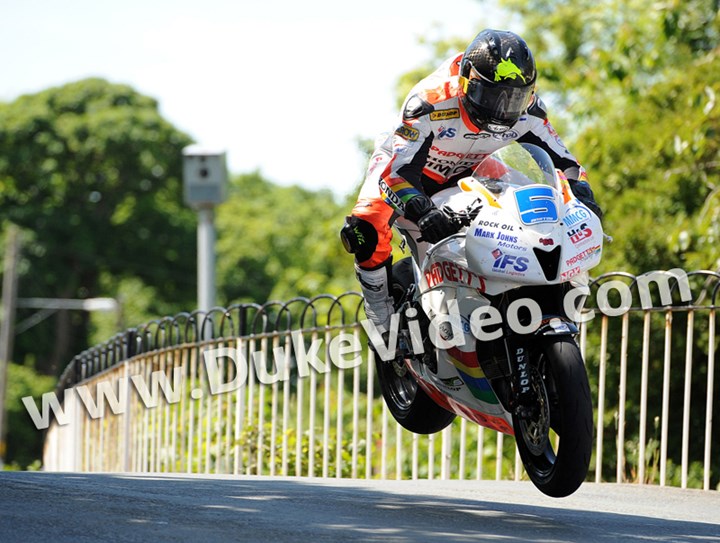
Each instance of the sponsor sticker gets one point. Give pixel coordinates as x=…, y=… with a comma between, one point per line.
x=390, y=196
x=407, y=132
x=449, y=272
x=499, y=236
x=576, y=215
x=453, y=154
x=445, y=114
x=582, y=256
x=446, y=133
x=500, y=225
x=507, y=135
x=448, y=168
x=567, y=275
x=579, y=234
x=480, y=136
x=512, y=265
x=512, y=246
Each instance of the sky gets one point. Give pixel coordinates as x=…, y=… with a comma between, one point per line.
x=285, y=87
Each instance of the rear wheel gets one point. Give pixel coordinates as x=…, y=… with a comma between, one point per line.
x=409, y=404
x=557, y=462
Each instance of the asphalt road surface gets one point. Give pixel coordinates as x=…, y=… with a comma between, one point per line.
x=80, y=508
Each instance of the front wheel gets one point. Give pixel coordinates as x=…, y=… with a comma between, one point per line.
x=557, y=464
x=409, y=404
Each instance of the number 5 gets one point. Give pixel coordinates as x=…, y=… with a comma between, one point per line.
x=536, y=204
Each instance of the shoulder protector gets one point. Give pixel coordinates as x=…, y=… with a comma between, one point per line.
x=416, y=107
x=537, y=108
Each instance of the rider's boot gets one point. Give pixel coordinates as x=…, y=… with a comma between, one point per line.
x=375, y=285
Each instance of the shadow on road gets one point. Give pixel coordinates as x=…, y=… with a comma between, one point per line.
x=117, y=507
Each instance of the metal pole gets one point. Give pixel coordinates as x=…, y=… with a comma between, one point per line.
x=9, y=297
x=206, y=258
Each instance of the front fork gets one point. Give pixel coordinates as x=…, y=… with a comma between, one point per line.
x=519, y=350
x=522, y=398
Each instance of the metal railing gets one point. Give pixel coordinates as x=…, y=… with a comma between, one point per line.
x=289, y=389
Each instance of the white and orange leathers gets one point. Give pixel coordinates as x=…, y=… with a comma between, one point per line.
x=434, y=145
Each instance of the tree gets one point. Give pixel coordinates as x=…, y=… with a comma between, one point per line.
x=24, y=446
x=604, y=53
x=280, y=242
x=91, y=171
x=661, y=166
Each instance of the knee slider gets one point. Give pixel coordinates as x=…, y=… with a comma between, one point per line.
x=359, y=238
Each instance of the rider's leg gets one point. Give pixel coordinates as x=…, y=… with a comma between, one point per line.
x=411, y=234
x=367, y=234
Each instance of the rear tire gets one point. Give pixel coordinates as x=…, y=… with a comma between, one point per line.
x=561, y=384
x=409, y=404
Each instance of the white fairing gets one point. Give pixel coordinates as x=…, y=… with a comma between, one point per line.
x=503, y=249
x=498, y=251
x=516, y=223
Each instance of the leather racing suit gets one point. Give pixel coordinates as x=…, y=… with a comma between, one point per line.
x=433, y=145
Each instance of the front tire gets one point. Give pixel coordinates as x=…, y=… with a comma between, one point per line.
x=564, y=404
x=409, y=404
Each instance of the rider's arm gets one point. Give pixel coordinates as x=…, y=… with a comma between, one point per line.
x=542, y=134
x=411, y=142
x=401, y=182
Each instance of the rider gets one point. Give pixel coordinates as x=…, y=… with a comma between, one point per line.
x=473, y=104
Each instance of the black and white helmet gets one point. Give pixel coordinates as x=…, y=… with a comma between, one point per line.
x=497, y=75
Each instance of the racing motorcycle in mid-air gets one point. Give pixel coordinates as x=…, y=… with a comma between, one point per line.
x=485, y=320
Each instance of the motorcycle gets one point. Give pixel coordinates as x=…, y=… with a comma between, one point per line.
x=485, y=320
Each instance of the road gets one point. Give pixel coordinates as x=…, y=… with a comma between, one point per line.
x=175, y=508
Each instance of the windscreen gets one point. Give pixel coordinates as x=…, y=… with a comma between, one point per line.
x=516, y=164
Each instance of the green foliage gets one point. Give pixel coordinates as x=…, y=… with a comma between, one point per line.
x=139, y=303
x=279, y=242
x=590, y=51
x=271, y=454
x=24, y=442
x=660, y=167
x=92, y=172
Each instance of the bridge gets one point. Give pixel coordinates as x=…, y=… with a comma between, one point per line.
x=254, y=410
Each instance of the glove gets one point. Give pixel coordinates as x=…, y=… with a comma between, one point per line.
x=433, y=223
x=583, y=192
x=435, y=226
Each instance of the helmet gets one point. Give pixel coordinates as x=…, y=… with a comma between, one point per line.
x=497, y=78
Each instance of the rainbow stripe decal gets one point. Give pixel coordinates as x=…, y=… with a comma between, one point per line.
x=469, y=369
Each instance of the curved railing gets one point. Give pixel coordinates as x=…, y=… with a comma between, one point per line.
x=307, y=403
x=234, y=321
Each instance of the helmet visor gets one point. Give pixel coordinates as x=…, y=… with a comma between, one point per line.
x=499, y=102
